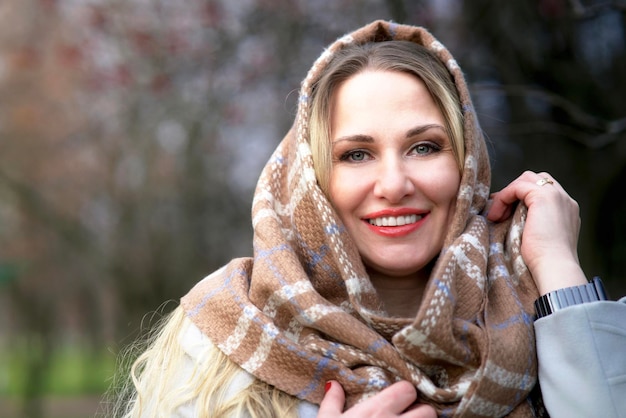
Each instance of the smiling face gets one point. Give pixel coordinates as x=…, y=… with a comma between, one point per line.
x=394, y=177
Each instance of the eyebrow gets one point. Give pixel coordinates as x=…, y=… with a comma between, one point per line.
x=421, y=129
x=410, y=133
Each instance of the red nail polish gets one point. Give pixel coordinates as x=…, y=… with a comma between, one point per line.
x=327, y=386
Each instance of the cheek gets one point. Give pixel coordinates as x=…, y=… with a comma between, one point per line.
x=337, y=190
x=444, y=189
x=345, y=190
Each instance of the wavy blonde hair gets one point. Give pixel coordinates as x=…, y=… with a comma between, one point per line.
x=156, y=388
x=400, y=56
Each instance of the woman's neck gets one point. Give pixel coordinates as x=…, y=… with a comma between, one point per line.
x=401, y=296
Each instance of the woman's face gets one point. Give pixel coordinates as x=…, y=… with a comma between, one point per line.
x=394, y=178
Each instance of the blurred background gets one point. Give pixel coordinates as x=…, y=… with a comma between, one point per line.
x=132, y=133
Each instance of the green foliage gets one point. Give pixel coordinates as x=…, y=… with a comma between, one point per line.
x=73, y=370
x=8, y=272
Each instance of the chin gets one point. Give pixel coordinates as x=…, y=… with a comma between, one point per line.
x=398, y=271
x=415, y=268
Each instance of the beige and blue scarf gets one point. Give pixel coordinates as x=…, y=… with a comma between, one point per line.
x=302, y=311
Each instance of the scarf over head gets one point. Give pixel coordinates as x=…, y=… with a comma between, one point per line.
x=303, y=311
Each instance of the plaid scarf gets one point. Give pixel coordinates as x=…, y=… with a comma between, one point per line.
x=302, y=311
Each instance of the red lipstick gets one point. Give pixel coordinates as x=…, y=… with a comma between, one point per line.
x=387, y=219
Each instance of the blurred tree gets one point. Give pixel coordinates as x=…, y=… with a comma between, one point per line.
x=41, y=176
x=132, y=133
x=545, y=76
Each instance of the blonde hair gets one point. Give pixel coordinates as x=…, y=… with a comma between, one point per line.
x=157, y=388
x=401, y=56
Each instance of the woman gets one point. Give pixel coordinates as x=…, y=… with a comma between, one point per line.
x=374, y=265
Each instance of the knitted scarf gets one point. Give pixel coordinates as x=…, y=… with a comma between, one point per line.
x=302, y=311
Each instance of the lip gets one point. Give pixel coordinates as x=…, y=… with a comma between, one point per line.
x=395, y=231
x=394, y=212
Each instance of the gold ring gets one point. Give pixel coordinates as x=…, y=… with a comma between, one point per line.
x=544, y=181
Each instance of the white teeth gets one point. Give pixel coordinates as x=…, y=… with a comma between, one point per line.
x=395, y=220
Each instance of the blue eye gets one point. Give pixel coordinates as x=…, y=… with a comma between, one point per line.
x=422, y=149
x=425, y=148
x=355, y=155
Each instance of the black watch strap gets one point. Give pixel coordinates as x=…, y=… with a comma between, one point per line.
x=562, y=298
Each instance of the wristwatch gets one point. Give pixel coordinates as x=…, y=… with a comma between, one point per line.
x=562, y=298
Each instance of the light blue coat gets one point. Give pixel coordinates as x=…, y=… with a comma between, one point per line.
x=582, y=360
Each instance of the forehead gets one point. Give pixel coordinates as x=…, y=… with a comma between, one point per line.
x=381, y=100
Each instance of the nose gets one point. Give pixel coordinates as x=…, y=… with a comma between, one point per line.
x=393, y=182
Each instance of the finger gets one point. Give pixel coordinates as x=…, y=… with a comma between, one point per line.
x=499, y=210
x=503, y=201
x=519, y=189
x=421, y=411
x=397, y=397
x=545, y=181
x=333, y=402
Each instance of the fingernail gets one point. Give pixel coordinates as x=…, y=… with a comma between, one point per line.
x=327, y=386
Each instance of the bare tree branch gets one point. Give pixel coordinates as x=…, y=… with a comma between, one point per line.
x=607, y=131
x=582, y=11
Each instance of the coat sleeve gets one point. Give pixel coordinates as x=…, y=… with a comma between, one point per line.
x=582, y=360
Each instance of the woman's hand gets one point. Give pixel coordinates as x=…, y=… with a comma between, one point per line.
x=394, y=401
x=550, y=237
